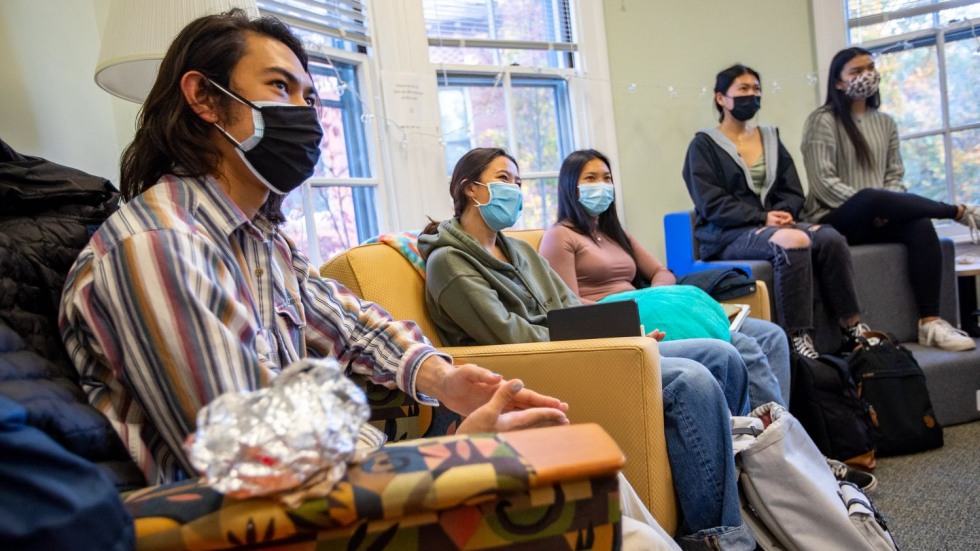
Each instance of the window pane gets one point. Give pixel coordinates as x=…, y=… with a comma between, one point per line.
x=963, y=81
x=959, y=14
x=472, y=116
x=966, y=166
x=540, y=203
x=875, y=31
x=333, y=148
x=536, y=122
x=910, y=89
x=333, y=217
x=498, y=56
x=925, y=166
x=527, y=20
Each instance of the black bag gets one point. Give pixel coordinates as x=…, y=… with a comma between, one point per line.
x=889, y=378
x=721, y=283
x=825, y=400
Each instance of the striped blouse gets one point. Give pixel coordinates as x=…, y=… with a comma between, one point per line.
x=179, y=298
x=832, y=168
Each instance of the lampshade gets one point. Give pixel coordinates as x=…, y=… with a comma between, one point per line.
x=137, y=35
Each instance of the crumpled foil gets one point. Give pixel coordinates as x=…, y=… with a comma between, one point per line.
x=273, y=440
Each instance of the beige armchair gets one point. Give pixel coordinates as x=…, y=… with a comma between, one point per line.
x=612, y=382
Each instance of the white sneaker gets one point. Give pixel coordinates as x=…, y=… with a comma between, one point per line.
x=971, y=219
x=940, y=334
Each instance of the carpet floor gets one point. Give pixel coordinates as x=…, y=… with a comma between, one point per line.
x=931, y=500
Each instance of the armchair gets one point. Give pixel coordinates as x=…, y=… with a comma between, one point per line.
x=612, y=382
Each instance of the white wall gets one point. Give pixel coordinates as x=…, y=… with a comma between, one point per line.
x=51, y=106
x=656, y=44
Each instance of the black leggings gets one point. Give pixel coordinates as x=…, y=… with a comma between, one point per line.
x=880, y=216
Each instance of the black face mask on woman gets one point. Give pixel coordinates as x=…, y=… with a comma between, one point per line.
x=745, y=107
x=284, y=147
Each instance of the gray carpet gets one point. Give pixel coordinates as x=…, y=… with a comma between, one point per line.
x=931, y=500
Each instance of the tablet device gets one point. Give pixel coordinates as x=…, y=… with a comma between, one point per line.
x=736, y=314
x=595, y=321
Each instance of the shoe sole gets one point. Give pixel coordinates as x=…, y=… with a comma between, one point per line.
x=870, y=487
x=955, y=348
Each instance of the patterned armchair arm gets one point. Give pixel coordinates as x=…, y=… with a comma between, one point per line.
x=555, y=487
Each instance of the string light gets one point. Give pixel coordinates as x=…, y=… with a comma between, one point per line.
x=631, y=88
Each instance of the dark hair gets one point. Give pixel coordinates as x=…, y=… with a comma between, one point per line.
x=724, y=80
x=170, y=137
x=839, y=104
x=468, y=169
x=572, y=214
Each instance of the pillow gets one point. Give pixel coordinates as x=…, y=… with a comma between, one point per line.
x=680, y=311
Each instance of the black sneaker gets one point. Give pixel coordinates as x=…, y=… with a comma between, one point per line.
x=802, y=344
x=861, y=479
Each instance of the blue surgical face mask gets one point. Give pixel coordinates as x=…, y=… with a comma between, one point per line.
x=504, y=207
x=596, y=198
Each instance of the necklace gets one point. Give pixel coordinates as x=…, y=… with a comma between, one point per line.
x=738, y=140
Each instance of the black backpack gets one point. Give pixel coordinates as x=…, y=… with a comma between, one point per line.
x=889, y=378
x=721, y=283
x=825, y=399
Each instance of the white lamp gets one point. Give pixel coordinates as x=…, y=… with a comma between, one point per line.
x=137, y=35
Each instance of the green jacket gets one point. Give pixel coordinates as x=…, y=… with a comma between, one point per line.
x=473, y=298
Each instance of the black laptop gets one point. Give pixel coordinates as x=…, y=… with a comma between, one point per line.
x=595, y=321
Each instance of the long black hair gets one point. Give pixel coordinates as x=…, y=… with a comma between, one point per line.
x=839, y=104
x=169, y=135
x=724, y=80
x=572, y=214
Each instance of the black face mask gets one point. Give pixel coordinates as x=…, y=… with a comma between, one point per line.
x=745, y=107
x=285, y=146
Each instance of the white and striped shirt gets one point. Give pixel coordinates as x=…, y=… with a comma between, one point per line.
x=179, y=298
x=832, y=168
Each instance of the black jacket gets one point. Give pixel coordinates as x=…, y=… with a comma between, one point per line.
x=48, y=212
x=725, y=203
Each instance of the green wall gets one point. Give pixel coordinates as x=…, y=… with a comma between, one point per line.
x=655, y=44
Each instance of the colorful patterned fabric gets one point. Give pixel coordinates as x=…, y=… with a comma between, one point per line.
x=406, y=243
x=459, y=492
x=184, y=297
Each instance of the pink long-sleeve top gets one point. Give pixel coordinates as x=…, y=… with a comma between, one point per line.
x=595, y=269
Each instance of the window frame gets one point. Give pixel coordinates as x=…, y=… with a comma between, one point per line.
x=937, y=36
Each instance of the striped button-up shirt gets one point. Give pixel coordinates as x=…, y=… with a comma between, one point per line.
x=832, y=168
x=179, y=297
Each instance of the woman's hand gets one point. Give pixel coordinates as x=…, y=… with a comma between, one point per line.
x=504, y=412
x=657, y=334
x=779, y=218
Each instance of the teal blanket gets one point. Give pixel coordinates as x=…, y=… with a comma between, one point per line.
x=680, y=311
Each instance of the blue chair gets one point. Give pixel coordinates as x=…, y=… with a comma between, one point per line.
x=683, y=256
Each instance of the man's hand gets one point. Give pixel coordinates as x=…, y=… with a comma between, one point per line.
x=466, y=387
x=779, y=218
x=504, y=413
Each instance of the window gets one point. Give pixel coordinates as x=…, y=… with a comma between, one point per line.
x=502, y=68
x=336, y=208
x=929, y=57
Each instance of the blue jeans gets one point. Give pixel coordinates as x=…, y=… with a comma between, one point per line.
x=699, y=449
x=723, y=362
x=765, y=351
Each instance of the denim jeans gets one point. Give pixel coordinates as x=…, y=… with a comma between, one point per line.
x=765, y=351
x=827, y=258
x=722, y=361
x=697, y=427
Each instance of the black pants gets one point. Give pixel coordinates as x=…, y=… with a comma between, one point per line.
x=827, y=258
x=880, y=216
